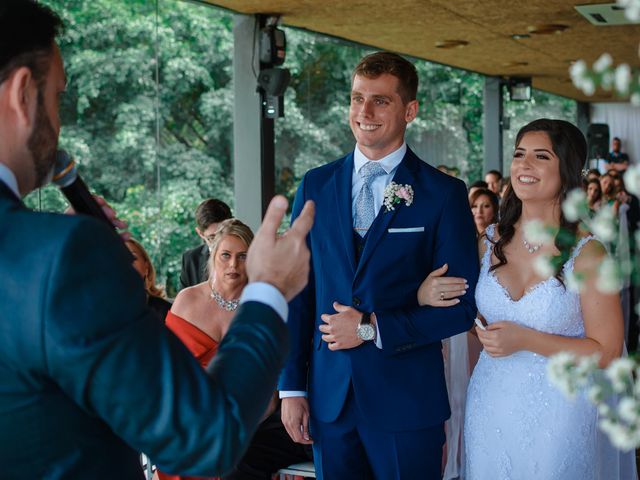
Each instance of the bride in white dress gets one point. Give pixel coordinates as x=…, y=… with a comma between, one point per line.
x=517, y=425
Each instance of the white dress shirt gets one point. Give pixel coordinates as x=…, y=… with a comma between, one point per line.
x=9, y=179
x=390, y=165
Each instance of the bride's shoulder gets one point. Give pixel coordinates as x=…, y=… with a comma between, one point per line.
x=590, y=254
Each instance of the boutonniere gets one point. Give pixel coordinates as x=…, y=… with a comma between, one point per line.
x=395, y=193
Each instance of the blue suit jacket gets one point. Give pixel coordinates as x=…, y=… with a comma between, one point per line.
x=401, y=386
x=89, y=376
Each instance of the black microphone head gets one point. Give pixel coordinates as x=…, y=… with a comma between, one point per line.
x=64, y=171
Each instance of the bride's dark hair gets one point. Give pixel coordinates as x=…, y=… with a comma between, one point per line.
x=570, y=147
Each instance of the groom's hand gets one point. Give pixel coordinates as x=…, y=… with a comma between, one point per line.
x=340, y=328
x=294, y=412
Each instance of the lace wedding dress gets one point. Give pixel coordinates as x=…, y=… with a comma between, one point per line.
x=517, y=425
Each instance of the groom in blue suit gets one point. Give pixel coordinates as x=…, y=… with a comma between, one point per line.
x=366, y=367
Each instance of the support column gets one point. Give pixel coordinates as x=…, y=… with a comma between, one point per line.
x=247, y=118
x=583, y=116
x=492, y=137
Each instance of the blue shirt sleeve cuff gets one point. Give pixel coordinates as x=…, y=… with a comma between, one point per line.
x=268, y=294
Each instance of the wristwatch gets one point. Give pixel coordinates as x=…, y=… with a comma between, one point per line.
x=366, y=331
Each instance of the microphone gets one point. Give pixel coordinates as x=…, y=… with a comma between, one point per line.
x=66, y=177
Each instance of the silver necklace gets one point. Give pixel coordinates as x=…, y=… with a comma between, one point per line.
x=530, y=248
x=228, y=305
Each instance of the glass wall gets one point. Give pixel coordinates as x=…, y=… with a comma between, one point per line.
x=542, y=105
x=148, y=114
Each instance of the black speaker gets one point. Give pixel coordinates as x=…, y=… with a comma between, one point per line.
x=274, y=81
x=597, y=140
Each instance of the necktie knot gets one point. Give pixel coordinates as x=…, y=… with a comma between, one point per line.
x=370, y=171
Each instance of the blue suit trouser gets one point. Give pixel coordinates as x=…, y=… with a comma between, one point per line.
x=350, y=448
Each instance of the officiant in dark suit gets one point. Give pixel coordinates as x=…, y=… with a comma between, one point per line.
x=209, y=214
x=89, y=376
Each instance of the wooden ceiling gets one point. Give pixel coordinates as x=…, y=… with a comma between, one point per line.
x=415, y=27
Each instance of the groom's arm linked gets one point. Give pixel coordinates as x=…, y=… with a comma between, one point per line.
x=410, y=327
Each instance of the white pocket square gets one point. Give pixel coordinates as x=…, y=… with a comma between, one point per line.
x=406, y=230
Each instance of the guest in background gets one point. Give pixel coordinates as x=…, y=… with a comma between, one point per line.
x=156, y=298
x=484, y=206
x=593, y=173
x=194, y=262
x=200, y=318
x=594, y=194
x=617, y=160
x=477, y=185
x=608, y=189
x=493, y=178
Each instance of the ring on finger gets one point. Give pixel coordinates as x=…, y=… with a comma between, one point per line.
x=442, y=296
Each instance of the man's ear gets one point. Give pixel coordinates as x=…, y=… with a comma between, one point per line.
x=199, y=233
x=411, y=111
x=23, y=96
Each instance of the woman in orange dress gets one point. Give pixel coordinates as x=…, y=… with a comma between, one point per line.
x=200, y=317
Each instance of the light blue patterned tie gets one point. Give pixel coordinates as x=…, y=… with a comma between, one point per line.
x=365, y=212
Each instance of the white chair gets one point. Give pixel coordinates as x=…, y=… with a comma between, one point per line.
x=305, y=470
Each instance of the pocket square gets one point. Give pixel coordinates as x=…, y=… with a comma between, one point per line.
x=406, y=230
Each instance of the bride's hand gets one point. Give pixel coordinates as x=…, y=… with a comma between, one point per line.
x=501, y=339
x=439, y=291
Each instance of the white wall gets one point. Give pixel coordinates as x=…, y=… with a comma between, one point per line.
x=624, y=122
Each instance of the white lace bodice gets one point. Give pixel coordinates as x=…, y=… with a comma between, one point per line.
x=548, y=307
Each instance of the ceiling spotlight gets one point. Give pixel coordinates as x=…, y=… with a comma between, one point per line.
x=547, y=28
x=515, y=64
x=520, y=36
x=520, y=88
x=448, y=44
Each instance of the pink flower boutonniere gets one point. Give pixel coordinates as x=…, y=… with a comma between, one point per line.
x=395, y=193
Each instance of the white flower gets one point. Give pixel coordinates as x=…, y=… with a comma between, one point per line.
x=609, y=276
x=559, y=372
x=623, y=78
x=543, y=267
x=595, y=394
x=620, y=436
x=632, y=179
x=607, y=80
x=588, y=86
x=536, y=233
x=620, y=373
x=574, y=281
x=632, y=9
x=604, y=410
x=578, y=69
x=602, y=63
x=603, y=224
x=574, y=205
x=628, y=409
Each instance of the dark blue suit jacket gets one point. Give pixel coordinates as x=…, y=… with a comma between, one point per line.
x=89, y=376
x=401, y=386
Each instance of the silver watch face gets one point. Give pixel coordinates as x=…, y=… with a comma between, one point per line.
x=366, y=332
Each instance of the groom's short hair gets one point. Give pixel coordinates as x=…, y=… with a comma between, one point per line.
x=379, y=63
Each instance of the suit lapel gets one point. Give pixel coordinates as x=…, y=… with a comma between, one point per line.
x=404, y=175
x=343, y=180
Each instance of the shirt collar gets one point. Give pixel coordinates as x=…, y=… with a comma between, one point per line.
x=388, y=163
x=8, y=177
